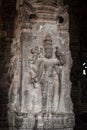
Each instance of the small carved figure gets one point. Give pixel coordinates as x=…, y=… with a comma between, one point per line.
x=32, y=71
x=35, y=52
x=34, y=100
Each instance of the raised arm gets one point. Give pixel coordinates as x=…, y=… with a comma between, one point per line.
x=60, y=56
x=39, y=65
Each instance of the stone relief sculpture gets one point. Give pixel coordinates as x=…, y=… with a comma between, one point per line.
x=14, y=71
x=44, y=71
x=33, y=102
x=39, y=69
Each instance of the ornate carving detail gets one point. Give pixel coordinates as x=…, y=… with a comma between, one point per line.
x=14, y=72
x=44, y=73
x=39, y=94
x=23, y=121
x=60, y=121
x=47, y=2
x=33, y=11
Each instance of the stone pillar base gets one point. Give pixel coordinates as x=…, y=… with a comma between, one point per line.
x=56, y=122
x=24, y=121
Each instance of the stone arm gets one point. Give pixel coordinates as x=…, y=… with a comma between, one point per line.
x=56, y=69
x=60, y=57
x=39, y=72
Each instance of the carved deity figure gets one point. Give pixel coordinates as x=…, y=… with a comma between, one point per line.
x=47, y=75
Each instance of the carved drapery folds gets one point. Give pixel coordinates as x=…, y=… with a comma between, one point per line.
x=39, y=94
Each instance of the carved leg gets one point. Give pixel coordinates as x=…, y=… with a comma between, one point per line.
x=44, y=97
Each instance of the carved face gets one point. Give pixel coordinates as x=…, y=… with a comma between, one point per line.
x=48, y=49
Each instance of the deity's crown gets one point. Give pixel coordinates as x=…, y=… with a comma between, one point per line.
x=48, y=40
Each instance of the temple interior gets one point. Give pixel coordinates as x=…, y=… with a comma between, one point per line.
x=77, y=10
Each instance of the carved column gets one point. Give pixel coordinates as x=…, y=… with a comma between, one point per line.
x=39, y=94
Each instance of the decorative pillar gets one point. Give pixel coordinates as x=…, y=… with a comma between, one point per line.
x=39, y=94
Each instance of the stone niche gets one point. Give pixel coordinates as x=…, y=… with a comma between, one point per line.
x=39, y=69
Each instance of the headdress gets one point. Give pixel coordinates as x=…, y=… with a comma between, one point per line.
x=48, y=40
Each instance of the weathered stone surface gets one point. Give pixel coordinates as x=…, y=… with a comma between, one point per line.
x=39, y=94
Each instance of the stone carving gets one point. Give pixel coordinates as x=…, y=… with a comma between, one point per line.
x=36, y=53
x=51, y=2
x=59, y=121
x=23, y=120
x=31, y=10
x=39, y=94
x=14, y=72
x=44, y=73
